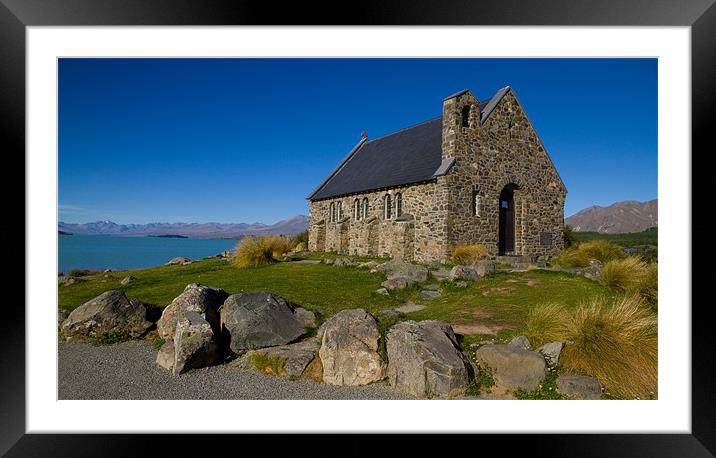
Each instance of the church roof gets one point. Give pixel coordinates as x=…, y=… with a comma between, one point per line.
x=411, y=155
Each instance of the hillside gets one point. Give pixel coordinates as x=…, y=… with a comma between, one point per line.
x=618, y=218
x=288, y=226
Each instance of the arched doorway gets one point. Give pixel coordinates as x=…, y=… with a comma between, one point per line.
x=506, y=244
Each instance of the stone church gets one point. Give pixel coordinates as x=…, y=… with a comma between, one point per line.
x=477, y=174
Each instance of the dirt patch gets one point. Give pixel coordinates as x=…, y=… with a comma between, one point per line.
x=474, y=329
x=533, y=282
x=501, y=291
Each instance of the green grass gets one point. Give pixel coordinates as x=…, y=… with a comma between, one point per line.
x=268, y=364
x=501, y=300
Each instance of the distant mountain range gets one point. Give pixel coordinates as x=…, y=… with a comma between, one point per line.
x=618, y=218
x=288, y=226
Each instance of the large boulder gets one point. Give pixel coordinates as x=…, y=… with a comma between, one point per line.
x=198, y=298
x=349, y=349
x=579, y=387
x=294, y=358
x=513, y=367
x=258, y=319
x=521, y=342
x=551, y=351
x=194, y=343
x=110, y=311
x=424, y=359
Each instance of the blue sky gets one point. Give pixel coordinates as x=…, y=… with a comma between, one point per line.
x=246, y=140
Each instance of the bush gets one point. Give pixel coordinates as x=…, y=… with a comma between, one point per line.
x=301, y=237
x=623, y=275
x=254, y=251
x=545, y=323
x=112, y=336
x=467, y=254
x=648, y=288
x=279, y=244
x=569, y=237
x=601, y=250
x=615, y=342
x=268, y=364
x=300, y=246
x=571, y=257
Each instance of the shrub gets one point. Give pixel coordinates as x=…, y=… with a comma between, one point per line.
x=571, y=257
x=545, y=323
x=467, y=254
x=253, y=251
x=648, y=288
x=623, y=275
x=615, y=342
x=569, y=237
x=300, y=246
x=268, y=364
x=279, y=244
x=301, y=237
x=112, y=336
x=601, y=250
x=158, y=343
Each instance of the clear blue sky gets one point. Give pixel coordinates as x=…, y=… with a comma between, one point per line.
x=246, y=140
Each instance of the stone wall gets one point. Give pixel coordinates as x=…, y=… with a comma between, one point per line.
x=505, y=151
x=419, y=235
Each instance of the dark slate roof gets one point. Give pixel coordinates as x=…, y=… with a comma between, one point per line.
x=410, y=155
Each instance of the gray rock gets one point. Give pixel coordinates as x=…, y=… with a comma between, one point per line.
x=424, y=359
x=434, y=265
x=110, y=311
x=165, y=357
x=328, y=261
x=198, y=298
x=258, y=319
x=178, y=260
x=579, y=387
x=551, y=351
x=441, y=274
x=126, y=280
x=194, y=343
x=430, y=295
x=383, y=291
x=463, y=273
x=521, y=342
x=349, y=350
x=410, y=307
x=594, y=270
x=410, y=273
x=368, y=265
x=461, y=284
x=513, y=367
x=107, y=271
x=432, y=287
x=396, y=283
x=484, y=267
x=70, y=281
x=296, y=357
x=344, y=262
x=308, y=261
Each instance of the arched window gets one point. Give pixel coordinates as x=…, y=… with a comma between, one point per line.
x=466, y=116
x=388, y=208
x=398, y=205
x=475, y=203
x=356, y=209
x=332, y=212
x=365, y=207
x=340, y=210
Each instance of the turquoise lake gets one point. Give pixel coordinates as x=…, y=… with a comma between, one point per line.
x=99, y=252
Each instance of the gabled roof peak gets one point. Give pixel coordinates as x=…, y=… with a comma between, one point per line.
x=457, y=94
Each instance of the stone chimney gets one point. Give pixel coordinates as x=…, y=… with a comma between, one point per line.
x=363, y=135
x=461, y=118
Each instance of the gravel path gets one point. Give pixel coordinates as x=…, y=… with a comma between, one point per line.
x=128, y=371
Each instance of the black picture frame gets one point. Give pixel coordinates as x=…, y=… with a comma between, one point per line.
x=16, y=15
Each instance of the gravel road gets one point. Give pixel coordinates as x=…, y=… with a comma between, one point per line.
x=128, y=371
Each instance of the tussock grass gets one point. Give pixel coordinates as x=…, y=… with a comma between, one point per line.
x=601, y=250
x=260, y=250
x=268, y=364
x=579, y=255
x=624, y=274
x=615, y=341
x=467, y=254
x=545, y=323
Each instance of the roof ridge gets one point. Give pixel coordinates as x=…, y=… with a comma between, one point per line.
x=404, y=128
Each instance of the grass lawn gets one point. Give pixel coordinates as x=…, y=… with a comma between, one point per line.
x=497, y=305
